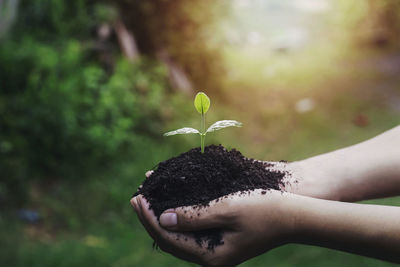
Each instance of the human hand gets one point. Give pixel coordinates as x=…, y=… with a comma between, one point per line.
x=313, y=178
x=252, y=223
x=189, y=250
x=367, y=170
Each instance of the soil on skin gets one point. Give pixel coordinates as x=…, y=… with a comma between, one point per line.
x=193, y=178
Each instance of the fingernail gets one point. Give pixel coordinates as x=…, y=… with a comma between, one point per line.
x=168, y=219
x=168, y=210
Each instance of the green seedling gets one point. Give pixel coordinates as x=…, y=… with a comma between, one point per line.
x=202, y=104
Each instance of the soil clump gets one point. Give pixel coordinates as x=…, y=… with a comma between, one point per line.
x=193, y=178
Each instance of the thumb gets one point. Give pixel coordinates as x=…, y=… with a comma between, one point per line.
x=195, y=218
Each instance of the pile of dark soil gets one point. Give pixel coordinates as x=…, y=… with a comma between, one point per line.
x=194, y=178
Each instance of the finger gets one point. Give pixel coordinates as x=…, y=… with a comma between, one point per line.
x=219, y=214
x=149, y=173
x=137, y=207
x=150, y=220
x=134, y=204
x=178, y=244
x=145, y=223
x=141, y=219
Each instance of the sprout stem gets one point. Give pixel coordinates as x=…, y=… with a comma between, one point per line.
x=202, y=132
x=202, y=139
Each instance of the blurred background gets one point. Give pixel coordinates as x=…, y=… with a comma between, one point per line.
x=87, y=87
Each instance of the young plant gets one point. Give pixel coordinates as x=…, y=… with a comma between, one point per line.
x=202, y=104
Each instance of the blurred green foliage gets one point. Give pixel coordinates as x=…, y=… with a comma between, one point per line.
x=63, y=114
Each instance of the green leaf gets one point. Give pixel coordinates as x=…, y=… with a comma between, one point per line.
x=223, y=124
x=202, y=103
x=186, y=130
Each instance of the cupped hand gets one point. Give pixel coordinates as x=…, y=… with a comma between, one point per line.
x=252, y=223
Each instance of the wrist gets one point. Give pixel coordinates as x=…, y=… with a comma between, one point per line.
x=315, y=177
x=357, y=228
x=289, y=217
x=306, y=218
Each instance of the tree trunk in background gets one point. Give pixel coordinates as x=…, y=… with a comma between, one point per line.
x=176, y=74
x=184, y=35
x=177, y=77
x=8, y=12
x=126, y=41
